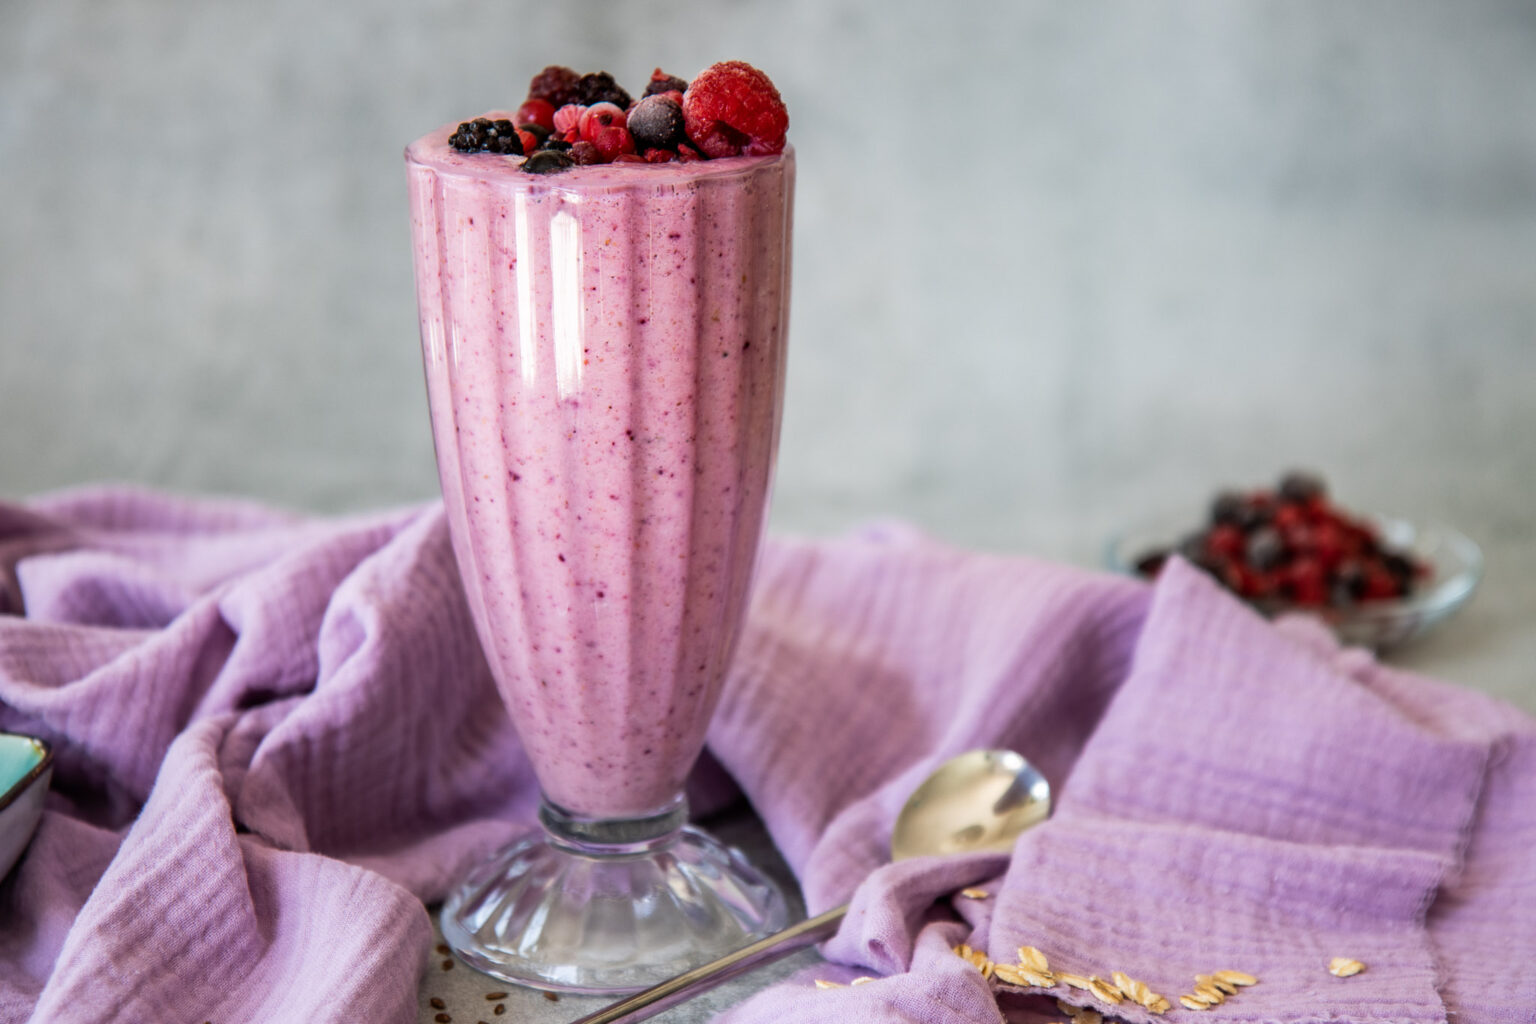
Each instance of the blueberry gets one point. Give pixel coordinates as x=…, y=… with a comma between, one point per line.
x=548, y=161
x=657, y=123
x=1266, y=548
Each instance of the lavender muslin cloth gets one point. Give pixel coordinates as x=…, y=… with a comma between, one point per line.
x=277, y=741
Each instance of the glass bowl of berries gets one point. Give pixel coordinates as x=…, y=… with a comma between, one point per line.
x=1376, y=580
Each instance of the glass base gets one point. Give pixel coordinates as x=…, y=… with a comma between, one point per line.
x=593, y=906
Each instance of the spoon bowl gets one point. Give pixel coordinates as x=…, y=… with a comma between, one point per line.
x=977, y=802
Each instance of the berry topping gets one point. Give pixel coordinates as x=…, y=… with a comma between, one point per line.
x=539, y=112
x=568, y=120
x=556, y=86
x=599, y=87
x=662, y=82
x=729, y=110
x=1292, y=547
x=548, y=161
x=487, y=135
x=599, y=115
x=733, y=108
x=657, y=123
x=613, y=142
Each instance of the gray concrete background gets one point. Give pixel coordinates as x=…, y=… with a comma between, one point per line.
x=1056, y=264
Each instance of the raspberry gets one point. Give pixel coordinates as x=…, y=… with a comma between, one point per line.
x=733, y=108
x=555, y=85
x=662, y=82
x=599, y=87
x=539, y=112
x=656, y=123
x=659, y=156
x=597, y=116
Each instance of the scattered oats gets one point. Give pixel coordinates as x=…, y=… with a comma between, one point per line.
x=1009, y=975
x=987, y=968
x=1159, y=1004
x=1199, y=997
x=1079, y=1014
x=979, y=960
x=1217, y=983
x=1139, y=991
x=1238, y=978
x=1038, y=979
x=1211, y=994
x=1344, y=967
x=863, y=980
x=1075, y=980
x=824, y=983
x=1032, y=959
x=1191, y=1003
x=1105, y=991
x=963, y=951
x=975, y=894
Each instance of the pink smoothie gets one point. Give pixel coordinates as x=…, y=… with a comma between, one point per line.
x=604, y=352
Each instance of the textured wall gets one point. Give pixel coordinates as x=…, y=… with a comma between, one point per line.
x=1055, y=261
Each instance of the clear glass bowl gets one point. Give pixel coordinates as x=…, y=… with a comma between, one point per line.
x=1454, y=561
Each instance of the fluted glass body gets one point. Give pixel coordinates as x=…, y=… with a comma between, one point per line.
x=604, y=354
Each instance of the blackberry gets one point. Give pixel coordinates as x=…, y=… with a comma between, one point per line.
x=657, y=123
x=555, y=85
x=470, y=136
x=599, y=87
x=663, y=82
x=548, y=161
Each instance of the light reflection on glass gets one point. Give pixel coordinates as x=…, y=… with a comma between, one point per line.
x=566, y=313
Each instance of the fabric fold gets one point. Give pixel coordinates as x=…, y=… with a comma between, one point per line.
x=277, y=741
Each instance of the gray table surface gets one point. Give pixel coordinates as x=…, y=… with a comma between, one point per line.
x=1489, y=646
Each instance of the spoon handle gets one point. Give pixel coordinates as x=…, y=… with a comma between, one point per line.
x=685, y=986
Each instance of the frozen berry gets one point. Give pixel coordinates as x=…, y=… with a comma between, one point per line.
x=1265, y=549
x=659, y=156
x=538, y=131
x=662, y=82
x=599, y=87
x=568, y=119
x=597, y=116
x=555, y=85
x=585, y=153
x=1300, y=487
x=657, y=123
x=733, y=108
x=613, y=141
x=548, y=161
x=555, y=144
x=539, y=112
x=1228, y=508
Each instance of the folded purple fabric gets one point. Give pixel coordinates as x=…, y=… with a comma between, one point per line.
x=277, y=740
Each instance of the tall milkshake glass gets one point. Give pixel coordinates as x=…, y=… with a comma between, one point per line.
x=604, y=352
